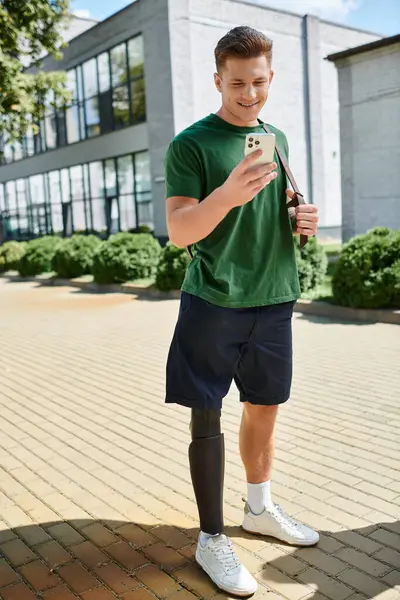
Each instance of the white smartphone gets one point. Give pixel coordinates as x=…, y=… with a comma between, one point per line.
x=263, y=141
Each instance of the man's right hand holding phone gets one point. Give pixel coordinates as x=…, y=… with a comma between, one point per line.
x=247, y=180
x=190, y=220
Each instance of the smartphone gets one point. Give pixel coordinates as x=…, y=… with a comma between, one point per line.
x=263, y=141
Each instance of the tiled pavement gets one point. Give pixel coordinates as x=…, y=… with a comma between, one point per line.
x=95, y=496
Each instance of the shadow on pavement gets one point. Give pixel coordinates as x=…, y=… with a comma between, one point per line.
x=332, y=320
x=102, y=560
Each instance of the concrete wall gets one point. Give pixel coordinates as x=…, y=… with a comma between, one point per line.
x=304, y=95
x=76, y=26
x=369, y=86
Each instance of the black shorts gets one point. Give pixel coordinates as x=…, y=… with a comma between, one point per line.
x=213, y=345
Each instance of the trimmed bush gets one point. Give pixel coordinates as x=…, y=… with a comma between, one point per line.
x=74, y=257
x=312, y=264
x=125, y=257
x=141, y=229
x=10, y=255
x=367, y=273
x=38, y=256
x=171, y=268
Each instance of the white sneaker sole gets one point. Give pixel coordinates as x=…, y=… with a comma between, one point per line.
x=299, y=543
x=221, y=586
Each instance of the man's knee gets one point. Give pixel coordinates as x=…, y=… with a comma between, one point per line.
x=205, y=423
x=259, y=413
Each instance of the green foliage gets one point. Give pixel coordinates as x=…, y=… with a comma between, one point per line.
x=171, y=268
x=141, y=229
x=367, y=273
x=125, y=257
x=38, y=256
x=10, y=255
x=312, y=264
x=28, y=30
x=74, y=257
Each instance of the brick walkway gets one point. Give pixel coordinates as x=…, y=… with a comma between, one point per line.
x=95, y=495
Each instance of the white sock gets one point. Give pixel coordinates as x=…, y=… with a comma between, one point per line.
x=259, y=496
x=204, y=537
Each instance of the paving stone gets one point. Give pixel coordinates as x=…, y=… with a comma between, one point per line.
x=94, y=475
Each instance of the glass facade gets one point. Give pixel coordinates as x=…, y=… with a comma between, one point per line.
x=108, y=94
x=102, y=197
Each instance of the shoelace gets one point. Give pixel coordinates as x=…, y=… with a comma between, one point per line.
x=225, y=554
x=282, y=517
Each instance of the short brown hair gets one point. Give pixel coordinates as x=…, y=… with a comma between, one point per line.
x=242, y=42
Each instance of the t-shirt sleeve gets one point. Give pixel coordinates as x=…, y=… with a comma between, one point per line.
x=183, y=171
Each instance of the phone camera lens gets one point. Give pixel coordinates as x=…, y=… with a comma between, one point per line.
x=250, y=145
x=250, y=139
x=257, y=142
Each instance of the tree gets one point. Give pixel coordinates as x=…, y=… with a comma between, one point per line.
x=29, y=29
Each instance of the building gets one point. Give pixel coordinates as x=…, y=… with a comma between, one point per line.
x=369, y=92
x=140, y=77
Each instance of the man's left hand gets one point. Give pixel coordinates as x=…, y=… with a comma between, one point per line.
x=306, y=217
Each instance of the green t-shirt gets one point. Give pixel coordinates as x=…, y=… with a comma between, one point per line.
x=249, y=258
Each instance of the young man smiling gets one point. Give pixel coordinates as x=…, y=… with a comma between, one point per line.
x=237, y=300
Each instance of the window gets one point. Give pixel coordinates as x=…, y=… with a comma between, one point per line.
x=36, y=184
x=61, y=128
x=106, y=111
x=121, y=107
x=51, y=132
x=136, y=57
x=143, y=189
x=65, y=186
x=53, y=182
x=22, y=203
x=96, y=178
x=28, y=143
x=110, y=178
x=118, y=65
x=92, y=117
x=90, y=78
x=71, y=85
x=102, y=196
x=126, y=190
x=125, y=175
x=104, y=72
x=138, y=100
x=18, y=151
x=11, y=196
x=73, y=134
x=8, y=153
x=79, y=81
x=107, y=93
x=78, y=196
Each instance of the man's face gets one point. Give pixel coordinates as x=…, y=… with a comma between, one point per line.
x=244, y=85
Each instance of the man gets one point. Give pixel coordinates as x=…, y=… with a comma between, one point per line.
x=237, y=300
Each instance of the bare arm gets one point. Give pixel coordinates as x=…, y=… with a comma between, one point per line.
x=189, y=221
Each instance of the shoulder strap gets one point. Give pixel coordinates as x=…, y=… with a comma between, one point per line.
x=298, y=197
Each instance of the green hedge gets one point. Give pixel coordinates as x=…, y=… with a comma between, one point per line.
x=312, y=264
x=10, y=255
x=367, y=273
x=74, y=257
x=126, y=256
x=38, y=256
x=171, y=268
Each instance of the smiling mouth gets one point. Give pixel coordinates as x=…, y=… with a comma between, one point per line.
x=248, y=105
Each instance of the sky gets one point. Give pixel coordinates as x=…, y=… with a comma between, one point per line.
x=379, y=16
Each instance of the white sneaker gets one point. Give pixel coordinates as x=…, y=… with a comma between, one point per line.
x=219, y=561
x=276, y=523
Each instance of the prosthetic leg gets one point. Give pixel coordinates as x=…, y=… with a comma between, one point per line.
x=207, y=467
